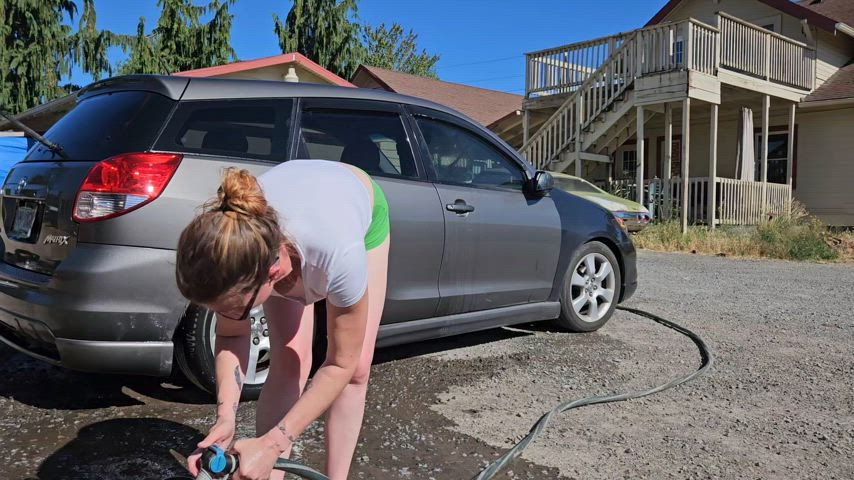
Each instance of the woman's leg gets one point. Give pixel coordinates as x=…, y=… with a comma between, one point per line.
x=291, y=327
x=344, y=417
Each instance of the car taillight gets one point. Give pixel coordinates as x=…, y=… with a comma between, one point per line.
x=122, y=184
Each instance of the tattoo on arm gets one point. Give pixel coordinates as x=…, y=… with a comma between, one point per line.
x=287, y=435
x=233, y=405
x=237, y=377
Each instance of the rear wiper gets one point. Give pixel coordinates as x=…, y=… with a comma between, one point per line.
x=35, y=135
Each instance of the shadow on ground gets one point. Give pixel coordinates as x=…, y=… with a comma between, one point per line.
x=124, y=448
x=45, y=386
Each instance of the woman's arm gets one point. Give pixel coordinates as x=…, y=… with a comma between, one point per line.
x=231, y=360
x=346, y=333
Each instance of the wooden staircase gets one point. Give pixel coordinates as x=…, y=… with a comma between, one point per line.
x=597, y=114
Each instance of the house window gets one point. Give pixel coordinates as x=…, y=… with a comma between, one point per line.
x=778, y=155
x=630, y=163
x=678, y=50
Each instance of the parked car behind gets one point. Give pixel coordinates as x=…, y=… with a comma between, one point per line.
x=479, y=239
x=632, y=215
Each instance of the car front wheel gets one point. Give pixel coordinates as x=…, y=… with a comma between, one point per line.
x=591, y=289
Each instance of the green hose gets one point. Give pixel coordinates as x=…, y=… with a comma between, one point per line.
x=495, y=467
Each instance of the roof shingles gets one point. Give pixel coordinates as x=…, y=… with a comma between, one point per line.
x=839, y=10
x=482, y=105
x=840, y=85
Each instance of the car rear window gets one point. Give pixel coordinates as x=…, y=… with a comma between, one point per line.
x=105, y=125
x=255, y=128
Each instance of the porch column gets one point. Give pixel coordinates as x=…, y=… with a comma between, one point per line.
x=713, y=164
x=668, y=160
x=525, y=122
x=640, y=159
x=686, y=148
x=766, y=107
x=790, y=158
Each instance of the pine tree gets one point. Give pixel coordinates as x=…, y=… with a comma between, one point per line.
x=325, y=31
x=389, y=48
x=180, y=41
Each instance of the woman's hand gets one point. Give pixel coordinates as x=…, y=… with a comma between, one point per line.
x=257, y=457
x=221, y=435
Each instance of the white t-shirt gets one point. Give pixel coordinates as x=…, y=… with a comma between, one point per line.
x=326, y=210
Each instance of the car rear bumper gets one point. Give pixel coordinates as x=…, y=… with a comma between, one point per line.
x=107, y=308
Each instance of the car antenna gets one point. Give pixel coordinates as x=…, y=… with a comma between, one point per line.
x=35, y=135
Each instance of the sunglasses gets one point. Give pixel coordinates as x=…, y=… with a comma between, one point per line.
x=251, y=303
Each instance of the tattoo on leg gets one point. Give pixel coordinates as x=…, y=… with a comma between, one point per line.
x=237, y=377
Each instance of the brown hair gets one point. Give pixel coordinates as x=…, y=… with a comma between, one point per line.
x=231, y=244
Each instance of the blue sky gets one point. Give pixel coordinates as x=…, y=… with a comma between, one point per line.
x=481, y=42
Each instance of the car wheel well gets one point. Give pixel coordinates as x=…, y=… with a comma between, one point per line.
x=619, y=256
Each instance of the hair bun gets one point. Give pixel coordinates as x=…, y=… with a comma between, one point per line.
x=241, y=193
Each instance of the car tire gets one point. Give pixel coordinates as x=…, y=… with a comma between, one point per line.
x=588, y=301
x=194, y=350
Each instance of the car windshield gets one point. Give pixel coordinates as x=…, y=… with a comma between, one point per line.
x=575, y=185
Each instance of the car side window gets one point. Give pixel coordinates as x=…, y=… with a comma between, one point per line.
x=374, y=141
x=462, y=157
x=241, y=128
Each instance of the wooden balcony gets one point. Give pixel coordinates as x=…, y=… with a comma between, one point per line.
x=732, y=47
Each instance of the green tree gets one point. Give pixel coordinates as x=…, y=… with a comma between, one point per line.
x=90, y=44
x=325, y=31
x=40, y=47
x=391, y=49
x=180, y=40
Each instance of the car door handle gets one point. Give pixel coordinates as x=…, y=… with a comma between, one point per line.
x=460, y=207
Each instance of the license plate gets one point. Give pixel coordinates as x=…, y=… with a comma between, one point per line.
x=25, y=217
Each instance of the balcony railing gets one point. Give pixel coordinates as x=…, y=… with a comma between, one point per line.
x=734, y=45
x=764, y=54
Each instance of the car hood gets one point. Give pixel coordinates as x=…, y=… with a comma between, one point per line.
x=612, y=202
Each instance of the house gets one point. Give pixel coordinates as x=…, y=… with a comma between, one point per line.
x=723, y=111
x=497, y=111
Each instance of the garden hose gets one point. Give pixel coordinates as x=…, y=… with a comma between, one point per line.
x=491, y=470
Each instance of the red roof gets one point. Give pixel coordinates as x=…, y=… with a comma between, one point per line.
x=283, y=59
x=812, y=15
x=482, y=105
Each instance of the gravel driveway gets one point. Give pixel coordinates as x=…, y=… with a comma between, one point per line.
x=779, y=402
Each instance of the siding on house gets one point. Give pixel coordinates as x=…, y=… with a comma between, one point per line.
x=826, y=165
x=276, y=73
x=832, y=53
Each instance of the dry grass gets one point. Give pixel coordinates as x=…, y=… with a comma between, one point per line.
x=797, y=237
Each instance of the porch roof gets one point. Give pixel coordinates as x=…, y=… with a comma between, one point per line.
x=813, y=16
x=838, y=86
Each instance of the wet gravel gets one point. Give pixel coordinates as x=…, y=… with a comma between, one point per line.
x=779, y=402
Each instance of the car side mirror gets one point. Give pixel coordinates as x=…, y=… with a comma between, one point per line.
x=543, y=183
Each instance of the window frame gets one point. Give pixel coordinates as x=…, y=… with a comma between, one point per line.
x=276, y=156
x=757, y=146
x=416, y=111
x=351, y=105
